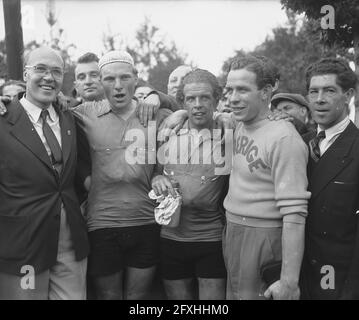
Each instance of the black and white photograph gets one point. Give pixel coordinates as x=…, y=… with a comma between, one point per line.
x=184, y=153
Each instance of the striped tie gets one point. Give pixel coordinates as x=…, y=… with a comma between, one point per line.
x=56, y=153
x=314, y=146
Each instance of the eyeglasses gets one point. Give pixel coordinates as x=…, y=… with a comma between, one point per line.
x=42, y=70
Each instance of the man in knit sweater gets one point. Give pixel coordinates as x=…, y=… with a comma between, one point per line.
x=266, y=205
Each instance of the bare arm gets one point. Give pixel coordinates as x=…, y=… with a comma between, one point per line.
x=286, y=288
x=147, y=109
x=292, y=251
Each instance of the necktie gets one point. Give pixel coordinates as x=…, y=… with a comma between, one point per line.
x=56, y=154
x=314, y=146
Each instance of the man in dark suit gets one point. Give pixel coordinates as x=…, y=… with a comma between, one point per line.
x=43, y=236
x=331, y=264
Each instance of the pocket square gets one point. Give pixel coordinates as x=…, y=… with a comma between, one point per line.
x=345, y=183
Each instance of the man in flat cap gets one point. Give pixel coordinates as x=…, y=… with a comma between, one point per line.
x=294, y=105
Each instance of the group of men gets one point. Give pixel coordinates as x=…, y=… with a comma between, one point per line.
x=281, y=224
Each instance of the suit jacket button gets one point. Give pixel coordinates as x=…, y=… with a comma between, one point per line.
x=313, y=262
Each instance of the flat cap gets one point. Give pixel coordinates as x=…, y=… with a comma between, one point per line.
x=294, y=97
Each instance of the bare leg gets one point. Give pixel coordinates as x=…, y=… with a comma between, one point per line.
x=138, y=282
x=212, y=289
x=179, y=289
x=109, y=287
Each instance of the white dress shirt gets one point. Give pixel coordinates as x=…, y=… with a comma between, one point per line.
x=332, y=134
x=352, y=110
x=53, y=120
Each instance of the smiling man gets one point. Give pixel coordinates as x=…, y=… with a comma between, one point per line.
x=266, y=205
x=331, y=264
x=41, y=226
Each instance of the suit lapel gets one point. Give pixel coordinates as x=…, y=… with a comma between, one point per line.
x=307, y=137
x=333, y=161
x=25, y=133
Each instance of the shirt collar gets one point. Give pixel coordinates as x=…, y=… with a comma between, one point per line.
x=336, y=129
x=35, y=111
x=185, y=130
x=103, y=107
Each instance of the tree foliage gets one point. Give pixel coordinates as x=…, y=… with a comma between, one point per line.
x=154, y=56
x=292, y=48
x=159, y=74
x=346, y=31
x=346, y=28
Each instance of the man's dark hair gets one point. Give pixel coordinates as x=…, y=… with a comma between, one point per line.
x=265, y=70
x=200, y=76
x=346, y=78
x=88, y=57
